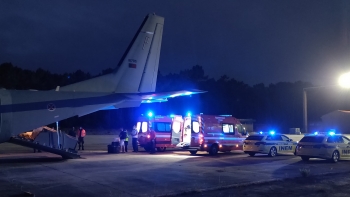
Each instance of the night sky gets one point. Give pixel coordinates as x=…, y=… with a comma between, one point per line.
x=251, y=41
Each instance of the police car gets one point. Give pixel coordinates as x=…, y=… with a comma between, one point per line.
x=270, y=143
x=326, y=146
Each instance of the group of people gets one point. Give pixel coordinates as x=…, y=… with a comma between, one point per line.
x=79, y=134
x=124, y=140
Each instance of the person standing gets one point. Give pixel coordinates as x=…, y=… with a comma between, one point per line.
x=81, y=133
x=134, y=135
x=126, y=142
x=152, y=135
x=122, y=136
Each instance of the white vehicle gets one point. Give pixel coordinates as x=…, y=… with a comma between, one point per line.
x=326, y=146
x=270, y=143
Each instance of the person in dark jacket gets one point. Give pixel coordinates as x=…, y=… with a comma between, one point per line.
x=152, y=135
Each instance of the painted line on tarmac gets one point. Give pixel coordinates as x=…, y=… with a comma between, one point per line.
x=198, y=191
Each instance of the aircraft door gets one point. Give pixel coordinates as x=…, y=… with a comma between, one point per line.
x=176, y=131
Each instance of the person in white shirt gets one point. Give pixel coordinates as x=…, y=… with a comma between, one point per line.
x=134, y=139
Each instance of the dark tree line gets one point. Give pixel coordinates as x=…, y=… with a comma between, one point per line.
x=276, y=106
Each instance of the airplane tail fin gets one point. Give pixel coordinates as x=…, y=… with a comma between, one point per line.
x=138, y=68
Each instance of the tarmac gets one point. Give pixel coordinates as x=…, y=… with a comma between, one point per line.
x=173, y=172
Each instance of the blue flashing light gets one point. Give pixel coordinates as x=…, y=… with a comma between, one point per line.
x=188, y=93
x=172, y=115
x=272, y=132
x=261, y=132
x=316, y=133
x=331, y=133
x=189, y=114
x=150, y=114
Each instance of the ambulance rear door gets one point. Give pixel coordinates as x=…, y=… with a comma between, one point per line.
x=186, y=138
x=195, y=138
x=176, y=130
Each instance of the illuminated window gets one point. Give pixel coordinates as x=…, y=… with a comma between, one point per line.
x=240, y=129
x=144, y=127
x=227, y=128
x=162, y=126
x=195, y=126
x=138, y=126
x=176, y=127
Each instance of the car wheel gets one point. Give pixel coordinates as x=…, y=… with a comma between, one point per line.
x=305, y=158
x=335, y=156
x=161, y=149
x=193, y=152
x=251, y=154
x=213, y=149
x=273, y=152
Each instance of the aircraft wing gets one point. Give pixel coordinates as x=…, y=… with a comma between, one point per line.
x=163, y=96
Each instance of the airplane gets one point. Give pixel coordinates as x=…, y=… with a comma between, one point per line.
x=132, y=83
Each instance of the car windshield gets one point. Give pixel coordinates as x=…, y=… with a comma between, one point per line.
x=316, y=139
x=255, y=137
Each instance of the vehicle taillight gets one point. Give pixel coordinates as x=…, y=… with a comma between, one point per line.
x=260, y=143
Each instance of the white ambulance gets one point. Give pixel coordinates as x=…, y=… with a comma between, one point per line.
x=212, y=133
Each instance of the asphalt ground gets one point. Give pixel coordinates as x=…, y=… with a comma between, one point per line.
x=168, y=173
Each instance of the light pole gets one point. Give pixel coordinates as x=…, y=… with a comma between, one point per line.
x=344, y=81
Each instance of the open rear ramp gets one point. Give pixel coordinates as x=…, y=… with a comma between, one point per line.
x=48, y=140
x=66, y=154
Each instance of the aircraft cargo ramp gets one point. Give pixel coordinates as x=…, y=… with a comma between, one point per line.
x=48, y=140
